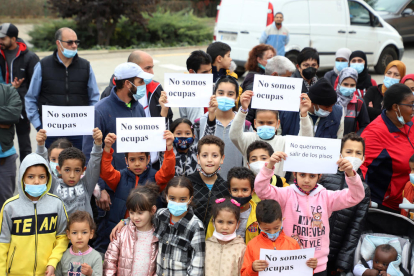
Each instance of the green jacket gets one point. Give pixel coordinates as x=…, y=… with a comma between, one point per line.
x=10, y=110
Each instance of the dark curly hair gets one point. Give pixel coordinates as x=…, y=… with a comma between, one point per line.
x=353, y=137
x=268, y=211
x=71, y=153
x=257, y=51
x=226, y=205
x=259, y=144
x=209, y=140
x=240, y=173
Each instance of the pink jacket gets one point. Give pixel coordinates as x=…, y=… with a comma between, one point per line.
x=307, y=216
x=120, y=254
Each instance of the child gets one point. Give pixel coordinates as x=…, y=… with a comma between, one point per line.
x=208, y=184
x=258, y=153
x=138, y=172
x=220, y=118
x=272, y=236
x=220, y=55
x=408, y=192
x=136, y=240
x=80, y=257
x=74, y=191
x=384, y=255
x=180, y=232
x=32, y=233
x=307, y=206
x=241, y=188
x=53, y=153
x=225, y=249
x=346, y=225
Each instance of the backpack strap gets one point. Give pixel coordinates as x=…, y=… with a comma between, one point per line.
x=404, y=271
x=364, y=263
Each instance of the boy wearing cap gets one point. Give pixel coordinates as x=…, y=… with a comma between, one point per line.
x=318, y=113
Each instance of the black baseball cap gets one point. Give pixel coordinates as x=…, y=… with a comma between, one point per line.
x=8, y=29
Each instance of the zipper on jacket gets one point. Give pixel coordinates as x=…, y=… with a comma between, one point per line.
x=35, y=264
x=67, y=86
x=208, y=202
x=11, y=260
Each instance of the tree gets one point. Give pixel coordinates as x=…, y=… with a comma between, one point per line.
x=104, y=13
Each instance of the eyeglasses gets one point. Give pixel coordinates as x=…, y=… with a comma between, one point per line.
x=70, y=42
x=411, y=105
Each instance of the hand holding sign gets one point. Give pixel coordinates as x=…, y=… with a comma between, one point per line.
x=163, y=101
x=259, y=265
x=109, y=141
x=169, y=138
x=246, y=98
x=212, y=107
x=305, y=104
x=97, y=136
x=276, y=158
x=346, y=166
x=41, y=137
x=288, y=262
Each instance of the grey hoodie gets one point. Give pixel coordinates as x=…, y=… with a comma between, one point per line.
x=77, y=197
x=32, y=234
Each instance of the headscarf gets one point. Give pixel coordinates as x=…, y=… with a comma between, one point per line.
x=344, y=74
x=364, y=79
x=342, y=53
x=407, y=77
x=400, y=67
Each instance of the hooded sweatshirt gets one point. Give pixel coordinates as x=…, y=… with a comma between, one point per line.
x=32, y=234
x=307, y=216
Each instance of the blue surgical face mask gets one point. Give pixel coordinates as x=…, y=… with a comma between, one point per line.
x=400, y=118
x=261, y=66
x=141, y=90
x=68, y=53
x=225, y=104
x=321, y=112
x=266, y=132
x=53, y=166
x=35, y=190
x=388, y=82
x=274, y=236
x=359, y=67
x=340, y=65
x=177, y=209
x=147, y=81
x=346, y=91
x=412, y=178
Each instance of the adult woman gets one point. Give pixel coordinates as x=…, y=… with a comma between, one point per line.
x=341, y=62
x=356, y=115
x=394, y=72
x=389, y=145
x=256, y=63
x=409, y=81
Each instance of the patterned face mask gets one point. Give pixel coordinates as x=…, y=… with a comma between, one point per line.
x=183, y=142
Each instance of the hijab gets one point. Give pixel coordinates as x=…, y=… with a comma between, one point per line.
x=342, y=53
x=400, y=67
x=364, y=79
x=344, y=74
x=407, y=77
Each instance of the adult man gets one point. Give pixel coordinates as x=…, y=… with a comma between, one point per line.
x=61, y=79
x=276, y=35
x=199, y=62
x=10, y=110
x=17, y=65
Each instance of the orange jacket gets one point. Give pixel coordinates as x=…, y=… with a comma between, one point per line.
x=408, y=195
x=252, y=254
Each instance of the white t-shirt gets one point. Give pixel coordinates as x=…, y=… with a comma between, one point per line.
x=359, y=269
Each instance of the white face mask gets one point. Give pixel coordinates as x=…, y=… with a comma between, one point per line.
x=255, y=167
x=222, y=237
x=355, y=161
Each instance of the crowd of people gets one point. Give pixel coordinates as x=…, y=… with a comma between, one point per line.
x=218, y=194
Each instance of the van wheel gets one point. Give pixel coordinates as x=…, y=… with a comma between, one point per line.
x=292, y=56
x=388, y=54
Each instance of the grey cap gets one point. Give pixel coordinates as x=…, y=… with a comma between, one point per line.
x=8, y=29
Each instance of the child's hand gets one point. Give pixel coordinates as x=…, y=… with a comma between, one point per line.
x=97, y=136
x=163, y=99
x=50, y=271
x=41, y=137
x=86, y=269
x=276, y=158
x=259, y=265
x=312, y=263
x=116, y=230
x=212, y=105
x=305, y=104
x=371, y=272
x=109, y=141
x=169, y=137
x=245, y=99
x=346, y=166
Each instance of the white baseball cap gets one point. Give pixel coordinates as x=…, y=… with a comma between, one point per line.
x=129, y=70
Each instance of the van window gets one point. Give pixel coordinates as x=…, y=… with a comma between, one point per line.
x=359, y=14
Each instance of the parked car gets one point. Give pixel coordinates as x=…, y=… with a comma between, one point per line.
x=326, y=25
x=397, y=13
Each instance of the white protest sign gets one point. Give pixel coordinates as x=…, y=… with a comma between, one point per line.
x=311, y=155
x=188, y=90
x=68, y=120
x=287, y=262
x=140, y=134
x=276, y=93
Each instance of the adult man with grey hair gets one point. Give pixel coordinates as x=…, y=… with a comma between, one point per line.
x=61, y=79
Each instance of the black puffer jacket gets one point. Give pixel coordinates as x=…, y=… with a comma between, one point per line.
x=345, y=225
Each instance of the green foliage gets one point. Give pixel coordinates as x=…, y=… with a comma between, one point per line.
x=164, y=29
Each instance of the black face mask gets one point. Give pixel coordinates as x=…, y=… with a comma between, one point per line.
x=309, y=73
x=242, y=200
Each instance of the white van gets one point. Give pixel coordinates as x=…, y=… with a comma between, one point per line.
x=325, y=25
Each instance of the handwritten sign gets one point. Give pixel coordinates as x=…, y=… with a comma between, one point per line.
x=311, y=155
x=140, y=134
x=188, y=90
x=68, y=120
x=276, y=93
x=287, y=262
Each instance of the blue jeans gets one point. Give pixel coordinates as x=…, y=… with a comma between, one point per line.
x=75, y=140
